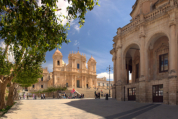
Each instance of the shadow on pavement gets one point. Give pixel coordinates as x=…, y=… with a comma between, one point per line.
x=13, y=109
x=112, y=108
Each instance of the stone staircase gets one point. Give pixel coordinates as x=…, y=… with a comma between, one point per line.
x=88, y=93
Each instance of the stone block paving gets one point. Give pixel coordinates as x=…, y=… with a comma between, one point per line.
x=89, y=109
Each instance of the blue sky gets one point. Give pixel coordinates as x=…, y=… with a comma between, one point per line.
x=95, y=37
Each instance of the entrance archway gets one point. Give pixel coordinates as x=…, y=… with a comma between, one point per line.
x=158, y=65
x=132, y=69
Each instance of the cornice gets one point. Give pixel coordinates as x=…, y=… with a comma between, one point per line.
x=148, y=21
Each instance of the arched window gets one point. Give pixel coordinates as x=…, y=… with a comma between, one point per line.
x=58, y=63
x=78, y=66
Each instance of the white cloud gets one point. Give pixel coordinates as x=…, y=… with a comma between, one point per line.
x=62, y=4
x=105, y=74
x=76, y=43
x=76, y=27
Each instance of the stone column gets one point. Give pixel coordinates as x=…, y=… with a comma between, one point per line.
x=115, y=76
x=91, y=81
x=64, y=79
x=75, y=81
x=119, y=80
x=82, y=82
x=85, y=82
x=142, y=86
x=72, y=81
x=96, y=82
x=172, y=60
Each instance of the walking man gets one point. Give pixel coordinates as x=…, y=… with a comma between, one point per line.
x=44, y=96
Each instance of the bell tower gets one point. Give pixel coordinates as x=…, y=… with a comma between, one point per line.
x=57, y=60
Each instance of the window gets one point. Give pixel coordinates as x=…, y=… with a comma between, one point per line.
x=111, y=84
x=33, y=86
x=78, y=66
x=93, y=68
x=41, y=86
x=98, y=84
x=42, y=79
x=163, y=63
x=58, y=63
x=137, y=71
x=107, y=84
x=103, y=84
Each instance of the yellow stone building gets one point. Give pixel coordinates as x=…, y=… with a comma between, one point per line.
x=75, y=74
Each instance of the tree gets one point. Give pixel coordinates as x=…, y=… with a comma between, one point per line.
x=29, y=31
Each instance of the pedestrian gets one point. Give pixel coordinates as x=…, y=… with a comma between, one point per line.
x=41, y=96
x=33, y=96
x=27, y=96
x=24, y=96
x=44, y=96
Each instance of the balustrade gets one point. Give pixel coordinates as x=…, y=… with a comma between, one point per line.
x=147, y=17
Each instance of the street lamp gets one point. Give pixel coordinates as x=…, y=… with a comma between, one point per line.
x=109, y=68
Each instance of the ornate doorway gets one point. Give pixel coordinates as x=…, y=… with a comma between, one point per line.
x=131, y=94
x=158, y=93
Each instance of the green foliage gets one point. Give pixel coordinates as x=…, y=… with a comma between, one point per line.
x=30, y=31
x=51, y=89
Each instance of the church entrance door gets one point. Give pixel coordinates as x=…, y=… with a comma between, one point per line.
x=157, y=93
x=131, y=94
x=78, y=83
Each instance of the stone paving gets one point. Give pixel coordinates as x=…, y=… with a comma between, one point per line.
x=89, y=109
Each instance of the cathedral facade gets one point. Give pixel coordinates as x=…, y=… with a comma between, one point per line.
x=146, y=49
x=75, y=74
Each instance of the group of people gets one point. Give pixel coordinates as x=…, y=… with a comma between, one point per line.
x=34, y=96
x=81, y=96
x=43, y=96
x=97, y=95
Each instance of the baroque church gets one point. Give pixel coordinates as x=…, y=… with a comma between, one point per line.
x=73, y=75
x=146, y=49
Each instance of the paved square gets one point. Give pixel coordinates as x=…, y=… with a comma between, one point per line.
x=89, y=109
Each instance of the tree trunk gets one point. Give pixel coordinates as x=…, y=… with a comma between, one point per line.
x=16, y=94
x=2, y=95
x=10, y=100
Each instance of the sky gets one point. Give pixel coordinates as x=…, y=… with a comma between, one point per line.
x=95, y=37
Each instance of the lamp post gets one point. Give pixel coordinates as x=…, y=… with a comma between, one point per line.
x=109, y=68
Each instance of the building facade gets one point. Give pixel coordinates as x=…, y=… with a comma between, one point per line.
x=102, y=83
x=146, y=49
x=73, y=75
